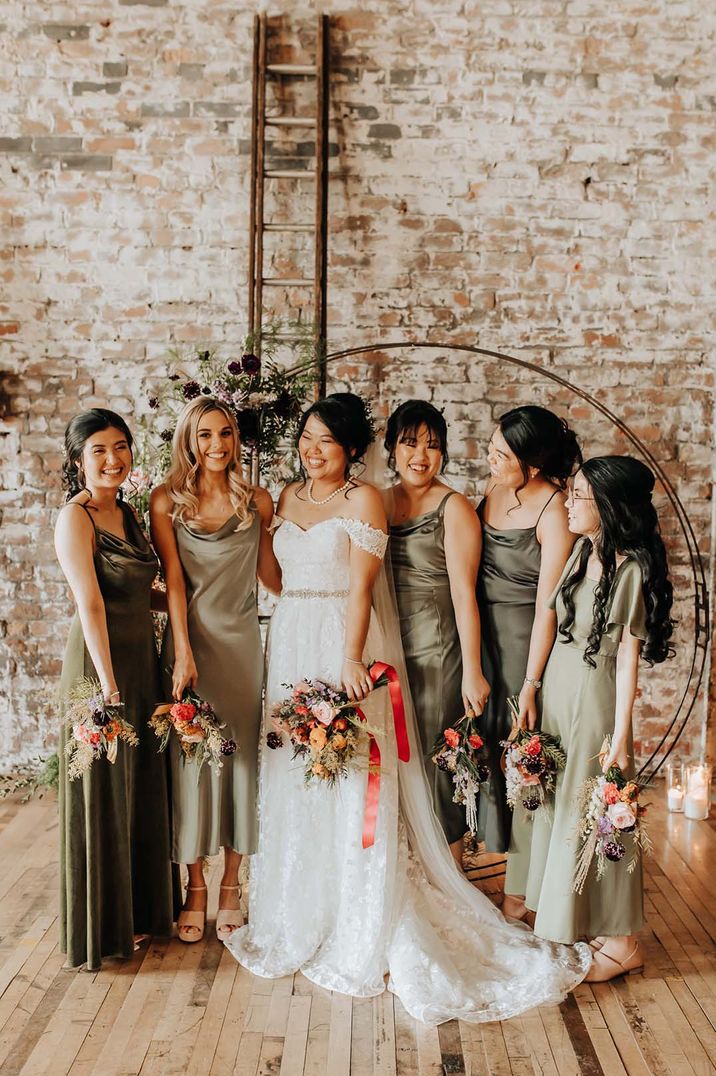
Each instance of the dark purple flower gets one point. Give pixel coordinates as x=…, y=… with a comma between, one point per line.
x=274, y=740
x=228, y=747
x=166, y=435
x=191, y=390
x=100, y=717
x=234, y=367
x=248, y=426
x=532, y=801
x=284, y=405
x=205, y=707
x=174, y=377
x=206, y=390
x=483, y=772
x=534, y=765
x=442, y=763
x=251, y=364
x=153, y=403
x=614, y=851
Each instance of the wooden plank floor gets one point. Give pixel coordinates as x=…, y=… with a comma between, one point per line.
x=193, y=1009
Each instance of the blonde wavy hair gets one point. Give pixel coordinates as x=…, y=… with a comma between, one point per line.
x=182, y=480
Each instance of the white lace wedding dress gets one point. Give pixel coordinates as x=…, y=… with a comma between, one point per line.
x=398, y=914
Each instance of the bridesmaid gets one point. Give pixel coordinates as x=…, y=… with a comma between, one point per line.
x=527, y=541
x=115, y=875
x=211, y=531
x=613, y=605
x=435, y=543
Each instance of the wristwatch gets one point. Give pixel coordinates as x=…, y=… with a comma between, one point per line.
x=537, y=684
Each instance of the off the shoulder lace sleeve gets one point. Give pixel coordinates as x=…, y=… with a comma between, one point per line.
x=368, y=538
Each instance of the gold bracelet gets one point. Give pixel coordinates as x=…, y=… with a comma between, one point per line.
x=354, y=661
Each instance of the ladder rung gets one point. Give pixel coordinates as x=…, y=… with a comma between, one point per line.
x=293, y=282
x=290, y=173
x=292, y=69
x=289, y=227
x=290, y=121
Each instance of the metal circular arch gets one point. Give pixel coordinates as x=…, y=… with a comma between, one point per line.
x=700, y=596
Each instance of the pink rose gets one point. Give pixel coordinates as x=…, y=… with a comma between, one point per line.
x=323, y=712
x=621, y=815
x=301, y=689
x=532, y=747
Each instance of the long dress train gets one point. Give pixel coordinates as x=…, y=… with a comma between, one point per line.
x=346, y=916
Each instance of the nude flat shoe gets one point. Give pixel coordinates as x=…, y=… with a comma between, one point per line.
x=228, y=919
x=190, y=925
x=605, y=967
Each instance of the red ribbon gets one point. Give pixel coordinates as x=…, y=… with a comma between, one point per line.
x=372, y=794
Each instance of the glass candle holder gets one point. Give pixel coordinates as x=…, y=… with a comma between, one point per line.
x=675, y=786
x=697, y=798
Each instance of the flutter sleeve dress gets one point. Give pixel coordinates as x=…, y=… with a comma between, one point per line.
x=578, y=705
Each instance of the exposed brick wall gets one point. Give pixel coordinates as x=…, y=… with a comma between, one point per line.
x=532, y=177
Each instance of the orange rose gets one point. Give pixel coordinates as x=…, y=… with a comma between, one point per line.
x=318, y=738
x=319, y=770
x=340, y=723
x=339, y=742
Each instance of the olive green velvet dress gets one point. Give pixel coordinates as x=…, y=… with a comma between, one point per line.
x=431, y=645
x=115, y=872
x=578, y=705
x=506, y=594
x=212, y=811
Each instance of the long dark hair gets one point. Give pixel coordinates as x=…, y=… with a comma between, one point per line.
x=407, y=418
x=541, y=439
x=622, y=488
x=346, y=416
x=78, y=432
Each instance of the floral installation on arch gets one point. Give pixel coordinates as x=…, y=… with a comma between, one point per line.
x=267, y=399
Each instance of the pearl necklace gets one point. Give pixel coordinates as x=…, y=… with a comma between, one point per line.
x=341, y=489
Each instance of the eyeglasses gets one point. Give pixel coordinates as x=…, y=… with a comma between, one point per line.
x=575, y=495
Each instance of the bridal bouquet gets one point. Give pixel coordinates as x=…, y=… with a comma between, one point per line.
x=461, y=751
x=94, y=727
x=324, y=727
x=199, y=730
x=530, y=761
x=609, y=815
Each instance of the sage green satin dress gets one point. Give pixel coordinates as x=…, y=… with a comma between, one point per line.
x=506, y=595
x=578, y=705
x=209, y=811
x=115, y=871
x=431, y=645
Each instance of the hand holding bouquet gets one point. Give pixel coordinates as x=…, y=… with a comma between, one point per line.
x=461, y=751
x=94, y=726
x=531, y=761
x=609, y=815
x=199, y=730
x=324, y=727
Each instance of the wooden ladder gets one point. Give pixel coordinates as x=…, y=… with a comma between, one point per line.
x=258, y=225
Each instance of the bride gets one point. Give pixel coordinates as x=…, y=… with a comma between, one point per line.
x=398, y=913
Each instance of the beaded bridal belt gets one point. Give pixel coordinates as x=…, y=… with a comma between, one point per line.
x=314, y=594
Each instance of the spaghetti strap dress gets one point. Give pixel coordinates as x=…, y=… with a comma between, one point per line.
x=213, y=810
x=431, y=645
x=506, y=596
x=115, y=872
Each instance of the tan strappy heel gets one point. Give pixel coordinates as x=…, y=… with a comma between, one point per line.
x=228, y=919
x=190, y=925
